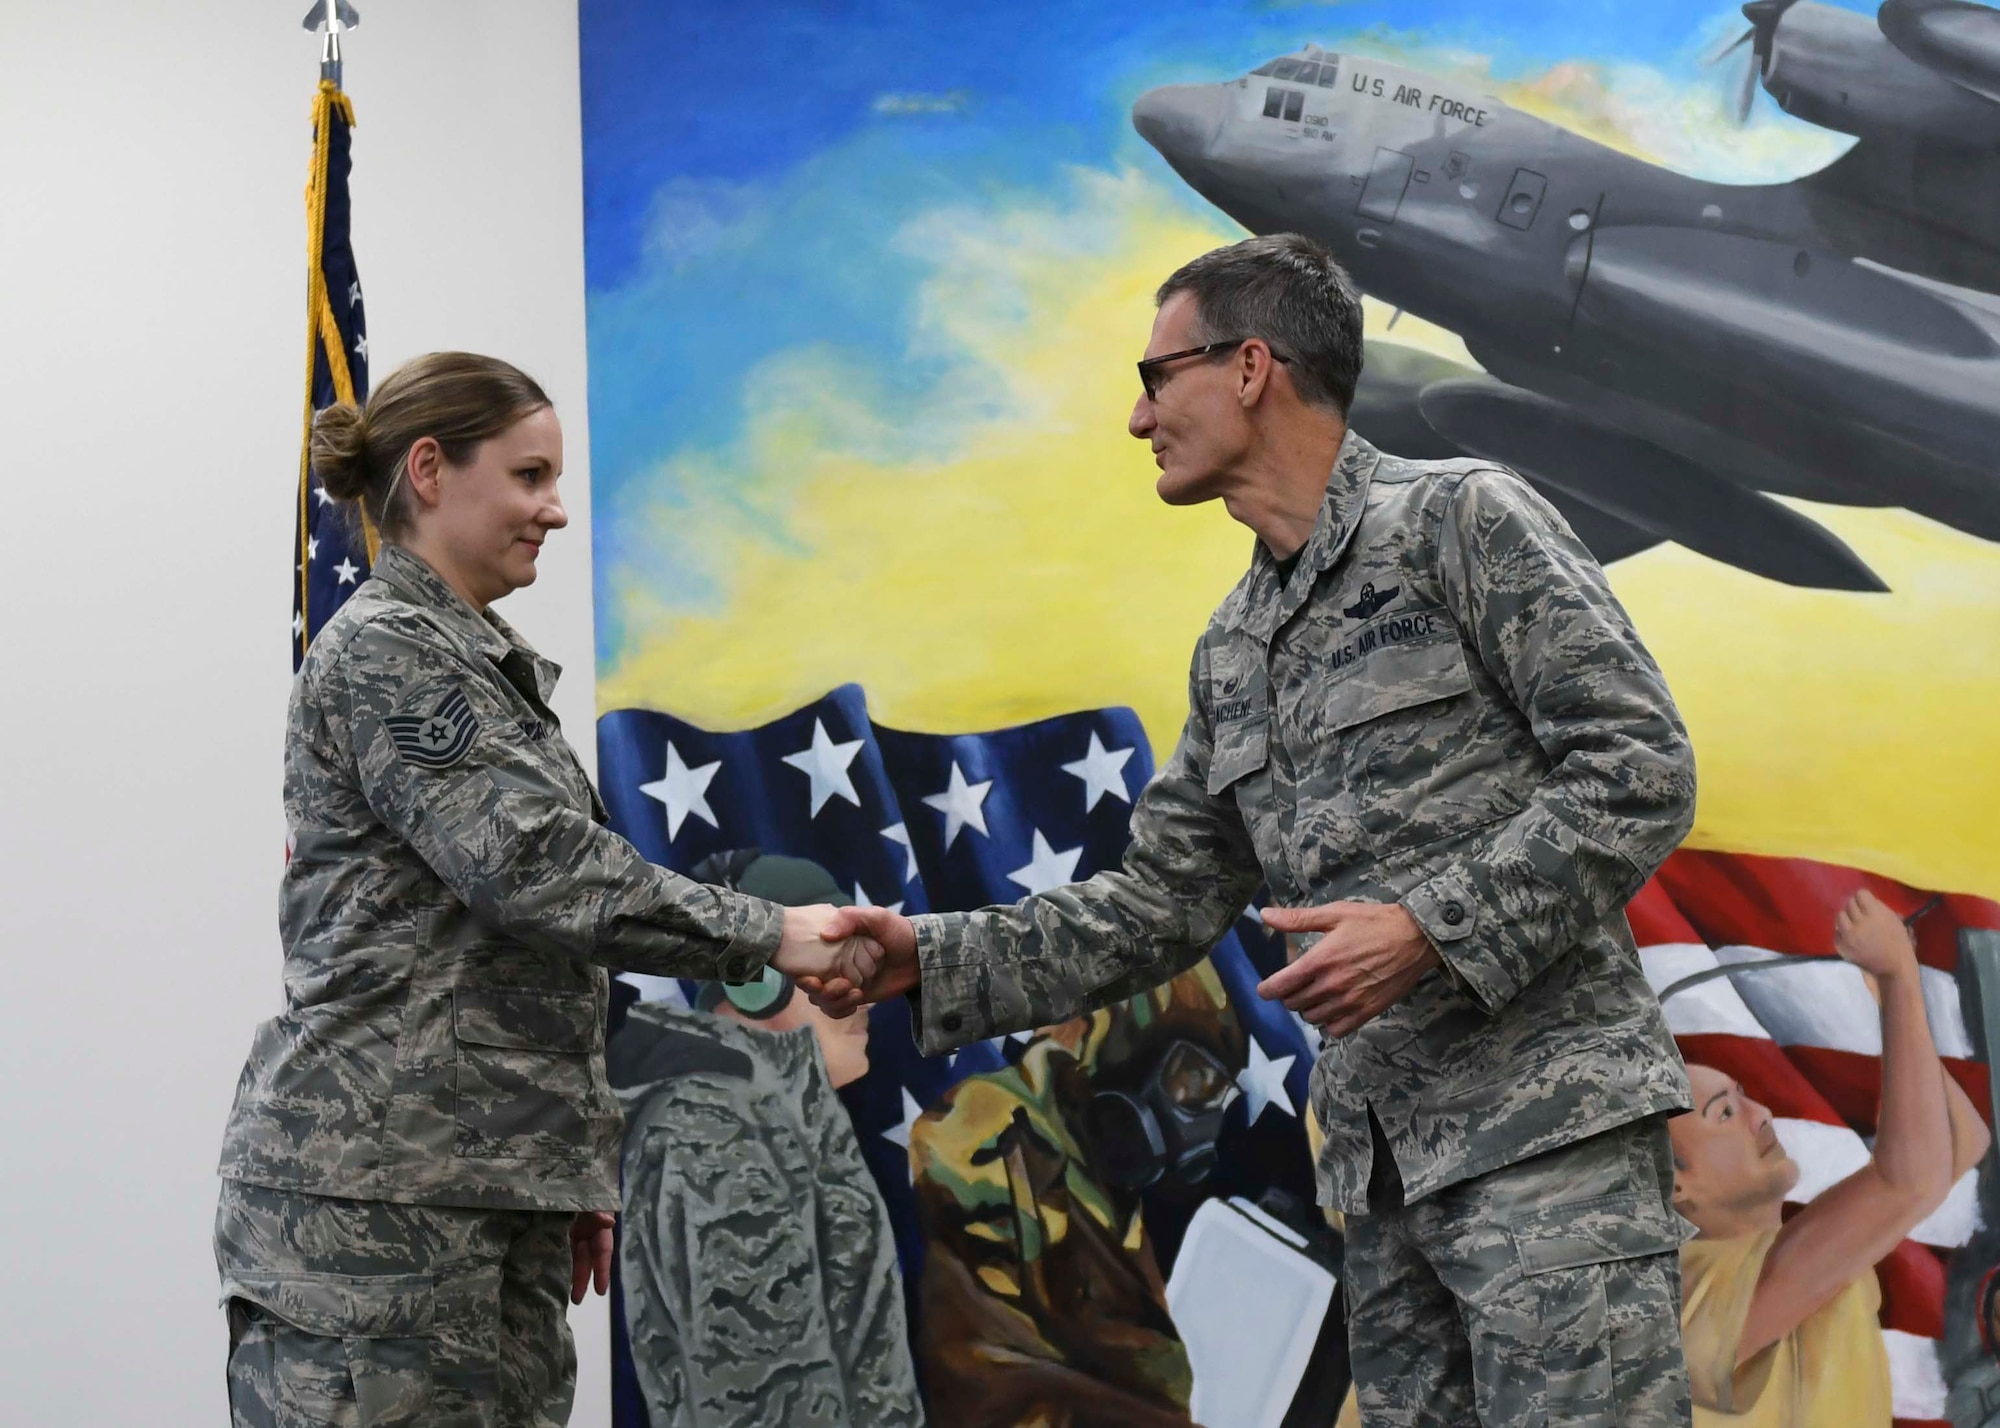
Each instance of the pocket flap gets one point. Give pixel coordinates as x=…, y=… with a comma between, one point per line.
x=342, y=1306
x=1396, y=677
x=1611, y=1227
x=525, y=1018
x=1240, y=749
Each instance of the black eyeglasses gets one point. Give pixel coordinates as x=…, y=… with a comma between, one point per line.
x=1151, y=369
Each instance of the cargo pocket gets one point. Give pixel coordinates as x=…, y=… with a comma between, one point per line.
x=1578, y=1303
x=332, y=1348
x=526, y=1087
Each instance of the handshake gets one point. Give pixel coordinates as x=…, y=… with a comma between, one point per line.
x=844, y=958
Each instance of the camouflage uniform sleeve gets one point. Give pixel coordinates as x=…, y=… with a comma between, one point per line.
x=1189, y=870
x=506, y=837
x=1619, y=792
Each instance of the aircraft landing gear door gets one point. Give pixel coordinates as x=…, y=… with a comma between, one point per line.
x=1387, y=178
x=1523, y=200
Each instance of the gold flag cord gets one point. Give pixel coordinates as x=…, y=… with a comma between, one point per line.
x=322, y=331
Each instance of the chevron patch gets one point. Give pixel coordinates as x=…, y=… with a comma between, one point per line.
x=436, y=740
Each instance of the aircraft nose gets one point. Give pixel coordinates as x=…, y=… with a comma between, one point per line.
x=1179, y=119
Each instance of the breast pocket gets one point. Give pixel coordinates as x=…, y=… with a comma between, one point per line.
x=526, y=1072
x=1404, y=736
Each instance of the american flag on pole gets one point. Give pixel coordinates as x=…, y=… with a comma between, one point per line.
x=330, y=558
x=925, y=822
x=1796, y=1026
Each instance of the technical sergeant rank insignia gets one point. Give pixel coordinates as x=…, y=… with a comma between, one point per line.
x=436, y=740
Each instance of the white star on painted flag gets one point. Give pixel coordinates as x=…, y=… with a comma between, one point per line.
x=861, y=899
x=312, y=547
x=960, y=804
x=900, y=1134
x=1048, y=868
x=1102, y=772
x=900, y=833
x=361, y=346
x=353, y=294
x=298, y=625
x=346, y=570
x=684, y=791
x=1263, y=1084
x=825, y=763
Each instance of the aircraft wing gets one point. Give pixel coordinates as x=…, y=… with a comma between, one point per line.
x=1620, y=493
x=1915, y=203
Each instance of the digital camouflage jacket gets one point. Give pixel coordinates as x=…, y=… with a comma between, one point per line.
x=449, y=907
x=759, y=1269
x=1444, y=706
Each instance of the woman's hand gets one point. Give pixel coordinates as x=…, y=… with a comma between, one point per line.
x=590, y=1252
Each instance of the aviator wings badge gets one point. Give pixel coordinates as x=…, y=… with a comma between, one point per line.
x=1371, y=600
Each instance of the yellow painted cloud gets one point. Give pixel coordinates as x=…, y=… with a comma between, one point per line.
x=1019, y=566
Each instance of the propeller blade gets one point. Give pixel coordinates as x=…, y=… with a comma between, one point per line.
x=1717, y=56
x=1746, y=92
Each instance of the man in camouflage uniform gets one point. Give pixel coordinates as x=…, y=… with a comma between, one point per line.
x=1042, y=1298
x=759, y=1269
x=1425, y=723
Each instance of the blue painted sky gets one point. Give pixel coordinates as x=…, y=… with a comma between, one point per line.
x=751, y=172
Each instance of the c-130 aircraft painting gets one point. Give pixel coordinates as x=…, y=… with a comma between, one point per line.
x=1662, y=354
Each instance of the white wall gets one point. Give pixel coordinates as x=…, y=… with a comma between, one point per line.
x=152, y=160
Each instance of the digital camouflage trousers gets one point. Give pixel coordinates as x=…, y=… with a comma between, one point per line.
x=1545, y=1292
x=366, y=1314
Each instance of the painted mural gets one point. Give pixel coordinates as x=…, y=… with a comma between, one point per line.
x=882, y=584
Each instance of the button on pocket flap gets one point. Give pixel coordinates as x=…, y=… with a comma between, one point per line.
x=344, y=1306
x=525, y=1018
x=1240, y=749
x=1387, y=678
x=1611, y=1227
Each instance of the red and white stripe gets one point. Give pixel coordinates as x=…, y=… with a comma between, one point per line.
x=1798, y=1028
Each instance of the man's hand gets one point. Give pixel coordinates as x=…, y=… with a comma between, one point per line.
x=893, y=972
x=811, y=953
x=1873, y=938
x=590, y=1252
x=1371, y=956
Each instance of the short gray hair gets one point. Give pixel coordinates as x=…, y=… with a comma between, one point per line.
x=1293, y=293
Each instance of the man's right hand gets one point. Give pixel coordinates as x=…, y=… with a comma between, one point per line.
x=890, y=975
x=811, y=952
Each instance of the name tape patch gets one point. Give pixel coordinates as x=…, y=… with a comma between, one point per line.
x=436, y=740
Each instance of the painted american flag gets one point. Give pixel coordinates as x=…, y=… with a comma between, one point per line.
x=1797, y=1027
x=937, y=822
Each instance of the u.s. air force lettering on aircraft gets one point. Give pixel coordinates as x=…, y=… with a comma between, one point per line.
x=1662, y=356
x=1412, y=96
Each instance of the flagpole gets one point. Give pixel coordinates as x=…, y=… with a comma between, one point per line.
x=325, y=342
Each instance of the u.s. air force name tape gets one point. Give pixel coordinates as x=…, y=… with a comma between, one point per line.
x=436, y=740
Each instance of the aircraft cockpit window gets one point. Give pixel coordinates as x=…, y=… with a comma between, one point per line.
x=1289, y=68
x=1308, y=73
x=1280, y=103
x=1329, y=70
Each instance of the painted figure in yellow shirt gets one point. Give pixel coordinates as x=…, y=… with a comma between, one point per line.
x=1779, y=1316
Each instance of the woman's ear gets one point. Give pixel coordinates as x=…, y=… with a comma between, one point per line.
x=423, y=466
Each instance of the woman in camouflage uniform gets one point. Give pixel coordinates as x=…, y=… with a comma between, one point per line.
x=422, y=1156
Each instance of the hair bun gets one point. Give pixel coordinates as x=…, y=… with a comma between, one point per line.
x=339, y=450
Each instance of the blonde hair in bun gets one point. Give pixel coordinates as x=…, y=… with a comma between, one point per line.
x=457, y=398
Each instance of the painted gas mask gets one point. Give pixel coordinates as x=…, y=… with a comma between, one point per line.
x=1163, y=1135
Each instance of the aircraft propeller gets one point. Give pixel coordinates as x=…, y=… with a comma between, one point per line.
x=1763, y=16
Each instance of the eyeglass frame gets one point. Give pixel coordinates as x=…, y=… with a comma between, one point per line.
x=1150, y=367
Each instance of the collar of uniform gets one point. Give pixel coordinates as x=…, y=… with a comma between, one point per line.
x=1270, y=599
x=416, y=581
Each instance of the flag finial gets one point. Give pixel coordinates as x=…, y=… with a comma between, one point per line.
x=330, y=18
